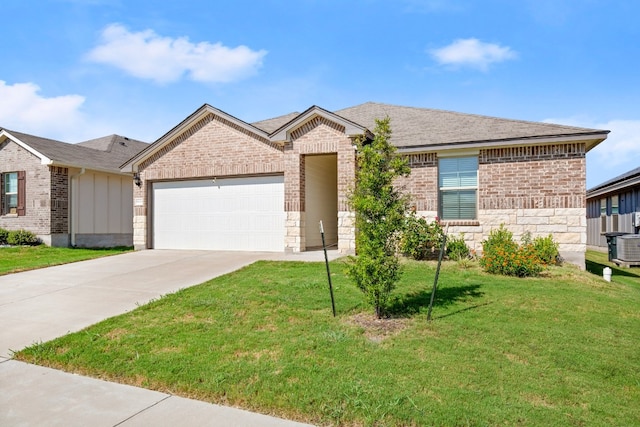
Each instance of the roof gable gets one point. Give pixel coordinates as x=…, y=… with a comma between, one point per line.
x=186, y=126
x=283, y=132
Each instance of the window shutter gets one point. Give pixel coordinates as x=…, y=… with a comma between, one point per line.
x=22, y=193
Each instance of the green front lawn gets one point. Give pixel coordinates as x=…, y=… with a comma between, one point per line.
x=21, y=258
x=560, y=350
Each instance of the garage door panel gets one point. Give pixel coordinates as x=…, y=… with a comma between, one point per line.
x=226, y=214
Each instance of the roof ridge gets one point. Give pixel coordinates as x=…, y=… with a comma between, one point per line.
x=458, y=113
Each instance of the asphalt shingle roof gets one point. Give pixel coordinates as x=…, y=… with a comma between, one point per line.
x=417, y=127
x=413, y=127
x=106, y=153
x=270, y=125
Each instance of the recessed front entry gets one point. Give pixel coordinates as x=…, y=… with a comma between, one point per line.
x=236, y=214
x=321, y=199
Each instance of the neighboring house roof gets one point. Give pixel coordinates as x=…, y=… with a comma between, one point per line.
x=413, y=129
x=103, y=154
x=619, y=183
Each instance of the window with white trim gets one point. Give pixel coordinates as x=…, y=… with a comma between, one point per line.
x=458, y=188
x=10, y=193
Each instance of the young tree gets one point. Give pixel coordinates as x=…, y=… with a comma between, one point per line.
x=380, y=211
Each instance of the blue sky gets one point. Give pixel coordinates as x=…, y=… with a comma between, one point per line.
x=74, y=70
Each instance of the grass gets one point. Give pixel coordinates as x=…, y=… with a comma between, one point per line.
x=597, y=261
x=22, y=258
x=560, y=350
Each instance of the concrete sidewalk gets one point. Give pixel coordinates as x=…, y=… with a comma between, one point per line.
x=36, y=396
x=43, y=304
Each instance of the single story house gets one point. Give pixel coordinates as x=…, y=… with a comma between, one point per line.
x=613, y=206
x=67, y=194
x=217, y=182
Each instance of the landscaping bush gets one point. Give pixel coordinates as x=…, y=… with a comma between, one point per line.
x=421, y=239
x=502, y=255
x=22, y=238
x=3, y=236
x=547, y=250
x=457, y=248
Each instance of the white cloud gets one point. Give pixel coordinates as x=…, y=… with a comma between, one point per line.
x=473, y=53
x=622, y=144
x=148, y=55
x=24, y=109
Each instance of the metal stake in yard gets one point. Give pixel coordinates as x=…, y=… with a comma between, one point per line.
x=326, y=261
x=435, y=282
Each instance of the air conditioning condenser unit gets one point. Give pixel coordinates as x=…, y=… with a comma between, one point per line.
x=629, y=248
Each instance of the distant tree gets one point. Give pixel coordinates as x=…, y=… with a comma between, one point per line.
x=380, y=212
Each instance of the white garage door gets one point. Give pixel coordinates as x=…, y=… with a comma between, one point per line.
x=235, y=214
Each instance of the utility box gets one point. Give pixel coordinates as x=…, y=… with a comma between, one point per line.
x=628, y=248
x=612, y=243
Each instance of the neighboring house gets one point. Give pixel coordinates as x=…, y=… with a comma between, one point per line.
x=217, y=182
x=611, y=207
x=67, y=194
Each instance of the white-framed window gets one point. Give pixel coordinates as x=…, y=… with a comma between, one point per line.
x=603, y=207
x=458, y=188
x=615, y=205
x=10, y=193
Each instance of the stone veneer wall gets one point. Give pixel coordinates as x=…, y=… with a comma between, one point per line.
x=212, y=147
x=540, y=190
x=37, y=217
x=318, y=136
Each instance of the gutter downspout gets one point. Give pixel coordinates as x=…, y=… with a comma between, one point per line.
x=72, y=232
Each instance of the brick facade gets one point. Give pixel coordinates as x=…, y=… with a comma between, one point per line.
x=318, y=136
x=537, y=189
x=37, y=218
x=211, y=147
x=550, y=176
x=48, y=202
x=215, y=147
x=59, y=200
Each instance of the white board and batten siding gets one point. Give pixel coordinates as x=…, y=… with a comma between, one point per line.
x=232, y=214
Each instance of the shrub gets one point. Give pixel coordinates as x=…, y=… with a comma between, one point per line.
x=22, y=237
x=421, y=239
x=3, y=236
x=457, y=248
x=502, y=255
x=547, y=250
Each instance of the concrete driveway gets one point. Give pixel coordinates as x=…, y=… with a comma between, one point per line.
x=43, y=304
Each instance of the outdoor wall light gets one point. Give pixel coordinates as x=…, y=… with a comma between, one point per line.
x=136, y=180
